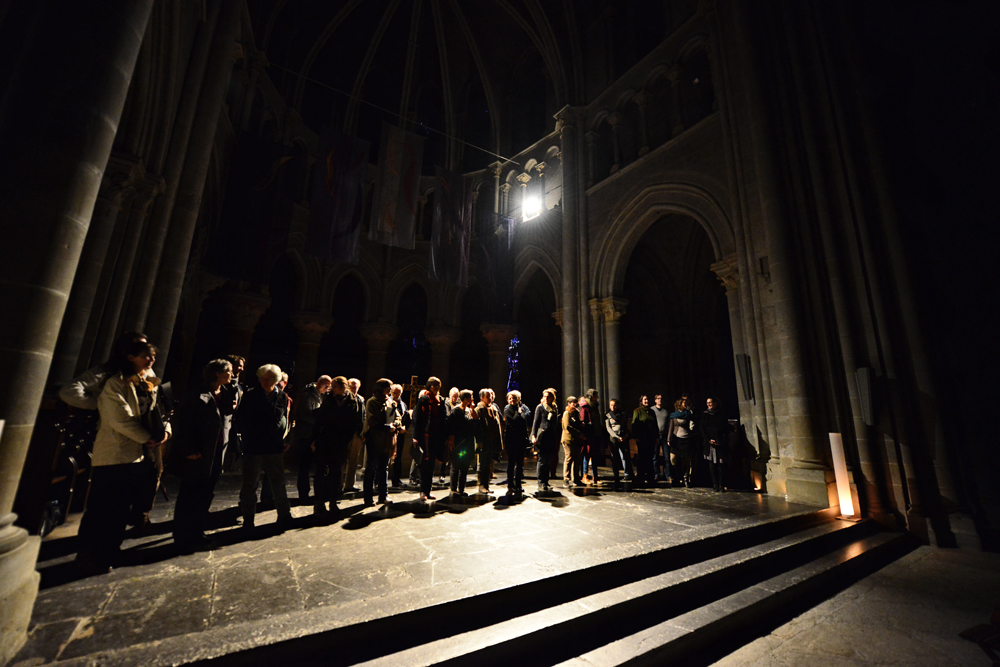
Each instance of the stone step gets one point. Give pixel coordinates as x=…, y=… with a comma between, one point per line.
x=564, y=631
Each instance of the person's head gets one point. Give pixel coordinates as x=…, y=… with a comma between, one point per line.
x=466, y=397
x=139, y=357
x=657, y=400
x=454, y=395
x=323, y=383
x=591, y=395
x=613, y=404
x=238, y=363
x=710, y=403
x=644, y=400
x=396, y=390
x=571, y=402
x=685, y=402
x=269, y=375
x=485, y=396
x=433, y=386
x=549, y=396
x=283, y=382
x=217, y=372
x=679, y=404
x=382, y=386
x=513, y=397
x=354, y=384
x=338, y=385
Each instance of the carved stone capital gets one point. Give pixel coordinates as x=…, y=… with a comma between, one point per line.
x=568, y=117
x=119, y=178
x=540, y=168
x=728, y=272
x=311, y=325
x=591, y=138
x=379, y=335
x=242, y=310
x=642, y=98
x=675, y=73
x=612, y=308
x=442, y=337
x=557, y=316
x=615, y=119
x=147, y=189
x=498, y=336
x=495, y=168
x=523, y=179
x=505, y=188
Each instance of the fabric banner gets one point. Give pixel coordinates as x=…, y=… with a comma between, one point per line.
x=337, y=197
x=452, y=229
x=394, y=213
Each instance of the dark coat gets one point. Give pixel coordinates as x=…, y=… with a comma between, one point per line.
x=261, y=420
x=336, y=426
x=713, y=426
x=198, y=429
x=463, y=427
x=546, y=428
x=516, y=429
x=644, y=424
x=490, y=436
x=429, y=427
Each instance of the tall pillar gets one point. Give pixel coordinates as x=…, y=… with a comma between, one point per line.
x=495, y=169
x=642, y=100
x=173, y=266
x=241, y=312
x=441, y=340
x=600, y=349
x=498, y=337
x=312, y=327
x=612, y=310
x=60, y=116
x=505, y=198
x=180, y=139
x=523, y=179
x=115, y=185
x=379, y=336
x=566, y=123
x=591, y=138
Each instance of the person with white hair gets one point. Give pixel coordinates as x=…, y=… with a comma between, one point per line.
x=263, y=420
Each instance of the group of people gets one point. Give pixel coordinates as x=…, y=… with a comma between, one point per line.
x=223, y=420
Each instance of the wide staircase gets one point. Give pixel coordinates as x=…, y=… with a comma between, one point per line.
x=688, y=604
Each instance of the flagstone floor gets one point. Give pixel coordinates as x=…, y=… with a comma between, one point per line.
x=370, y=562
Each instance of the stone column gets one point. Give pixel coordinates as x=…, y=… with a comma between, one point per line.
x=566, y=123
x=498, y=337
x=379, y=335
x=107, y=331
x=675, y=75
x=145, y=278
x=61, y=113
x=312, y=327
x=174, y=264
x=523, y=179
x=540, y=168
x=495, y=169
x=612, y=310
x=591, y=138
x=441, y=340
x=600, y=350
x=505, y=198
x=642, y=100
x=615, y=120
x=241, y=313
x=115, y=185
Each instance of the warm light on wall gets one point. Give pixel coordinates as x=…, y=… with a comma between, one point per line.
x=531, y=208
x=840, y=473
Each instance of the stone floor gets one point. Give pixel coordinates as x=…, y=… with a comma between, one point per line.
x=372, y=562
x=909, y=613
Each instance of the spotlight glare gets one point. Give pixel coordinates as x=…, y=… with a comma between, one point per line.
x=531, y=208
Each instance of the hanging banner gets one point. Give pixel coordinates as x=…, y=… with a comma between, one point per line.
x=394, y=213
x=452, y=229
x=337, y=197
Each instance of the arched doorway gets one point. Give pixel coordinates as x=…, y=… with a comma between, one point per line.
x=675, y=334
x=540, y=343
x=470, y=362
x=410, y=354
x=275, y=338
x=343, y=351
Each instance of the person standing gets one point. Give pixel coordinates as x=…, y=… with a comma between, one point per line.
x=354, y=455
x=572, y=431
x=430, y=434
x=122, y=465
x=616, y=424
x=661, y=450
x=309, y=402
x=454, y=399
x=714, y=430
x=381, y=428
x=682, y=441
x=232, y=447
x=461, y=427
x=545, y=437
x=262, y=420
x=489, y=439
x=403, y=416
x=586, y=437
x=517, y=429
x=644, y=430
x=337, y=422
x=198, y=437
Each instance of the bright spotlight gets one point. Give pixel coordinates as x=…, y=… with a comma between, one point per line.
x=531, y=208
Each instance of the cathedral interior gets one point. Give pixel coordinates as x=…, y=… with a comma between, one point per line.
x=788, y=206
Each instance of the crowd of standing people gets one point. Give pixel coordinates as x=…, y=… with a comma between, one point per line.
x=333, y=429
